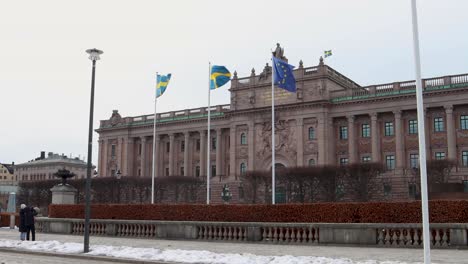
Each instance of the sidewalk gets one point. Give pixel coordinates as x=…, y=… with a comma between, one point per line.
x=341, y=254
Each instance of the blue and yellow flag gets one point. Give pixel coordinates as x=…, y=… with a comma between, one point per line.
x=283, y=74
x=327, y=53
x=161, y=84
x=219, y=76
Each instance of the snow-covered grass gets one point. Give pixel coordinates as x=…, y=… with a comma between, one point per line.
x=177, y=255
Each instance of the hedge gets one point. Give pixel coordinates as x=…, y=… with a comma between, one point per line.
x=378, y=212
x=5, y=219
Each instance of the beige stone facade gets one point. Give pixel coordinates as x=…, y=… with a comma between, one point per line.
x=7, y=173
x=43, y=168
x=330, y=120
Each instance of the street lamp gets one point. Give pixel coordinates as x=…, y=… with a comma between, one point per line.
x=93, y=56
x=119, y=175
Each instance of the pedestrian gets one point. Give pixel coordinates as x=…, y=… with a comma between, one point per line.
x=30, y=213
x=22, y=226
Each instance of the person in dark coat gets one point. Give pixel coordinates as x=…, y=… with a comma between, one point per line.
x=30, y=213
x=22, y=226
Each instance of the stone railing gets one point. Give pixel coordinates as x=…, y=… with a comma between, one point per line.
x=385, y=235
x=173, y=116
x=431, y=84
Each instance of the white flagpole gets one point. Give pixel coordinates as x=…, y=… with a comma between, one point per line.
x=422, y=138
x=208, y=169
x=273, y=162
x=154, y=142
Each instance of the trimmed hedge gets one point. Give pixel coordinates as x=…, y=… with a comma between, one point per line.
x=5, y=219
x=379, y=212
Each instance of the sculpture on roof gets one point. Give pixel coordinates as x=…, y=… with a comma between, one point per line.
x=279, y=53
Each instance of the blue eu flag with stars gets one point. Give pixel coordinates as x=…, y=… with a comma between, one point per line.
x=283, y=74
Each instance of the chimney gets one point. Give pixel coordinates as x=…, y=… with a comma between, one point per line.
x=12, y=163
x=42, y=155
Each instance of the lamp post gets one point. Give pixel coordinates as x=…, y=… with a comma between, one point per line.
x=119, y=175
x=93, y=56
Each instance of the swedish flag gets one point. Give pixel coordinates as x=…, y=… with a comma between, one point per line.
x=219, y=76
x=161, y=84
x=283, y=74
x=327, y=53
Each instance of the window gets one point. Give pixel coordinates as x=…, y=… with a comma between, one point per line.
x=438, y=124
x=465, y=158
x=365, y=130
x=464, y=122
x=139, y=149
x=197, y=171
x=243, y=139
x=389, y=131
x=311, y=133
x=243, y=168
x=366, y=159
x=440, y=155
x=213, y=143
x=343, y=161
x=390, y=162
x=311, y=162
x=343, y=132
x=198, y=145
x=213, y=170
x=387, y=188
x=113, y=151
x=413, y=126
x=412, y=190
x=167, y=171
x=168, y=147
x=414, y=161
x=182, y=171
x=182, y=145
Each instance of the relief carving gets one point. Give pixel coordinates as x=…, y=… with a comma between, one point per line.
x=285, y=138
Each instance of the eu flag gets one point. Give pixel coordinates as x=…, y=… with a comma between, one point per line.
x=283, y=74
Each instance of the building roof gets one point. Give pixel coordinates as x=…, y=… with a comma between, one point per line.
x=9, y=167
x=53, y=158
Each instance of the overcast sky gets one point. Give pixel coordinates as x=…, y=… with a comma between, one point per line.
x=45, y=74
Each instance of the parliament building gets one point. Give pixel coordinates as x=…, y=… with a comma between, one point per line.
x=330, y=120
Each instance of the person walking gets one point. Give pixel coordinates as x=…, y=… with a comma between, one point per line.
x=22, y=226
x=30, y=213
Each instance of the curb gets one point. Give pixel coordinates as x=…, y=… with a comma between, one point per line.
x=83, y=256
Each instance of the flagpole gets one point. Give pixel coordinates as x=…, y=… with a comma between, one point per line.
x=273, y=162
x=422, y=137
x=154, y=142
x=208, y=170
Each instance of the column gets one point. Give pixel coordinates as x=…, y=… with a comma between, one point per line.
x=143, y=157
x=351, y=140
x=105, y=159
x=202, y=152
x=330, y=136
x=186, y=154
x=129, y=171
x=119, y=153
x=321, y=138
x=427, y=128
x=451, y=142
x=157, y=161
x=300, y=141
x=232, y=152
x=101, y=157
x=171, y=154
x=375, y=138
x=399, y=142
x=251, y=143
x=219, y=170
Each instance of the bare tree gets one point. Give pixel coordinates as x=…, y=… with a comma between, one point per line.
x=363, y=180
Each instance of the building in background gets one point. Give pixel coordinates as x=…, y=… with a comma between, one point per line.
x=330, y=120
x=7, y=173
x=43, y=168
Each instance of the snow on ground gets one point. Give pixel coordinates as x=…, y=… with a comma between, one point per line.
x=177, y=255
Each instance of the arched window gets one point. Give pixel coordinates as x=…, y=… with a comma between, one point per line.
x=311, y=133
x=243, y=139
x=243, y=168
x=311, y=162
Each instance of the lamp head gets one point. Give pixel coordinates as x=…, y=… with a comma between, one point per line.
x=94, y=54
